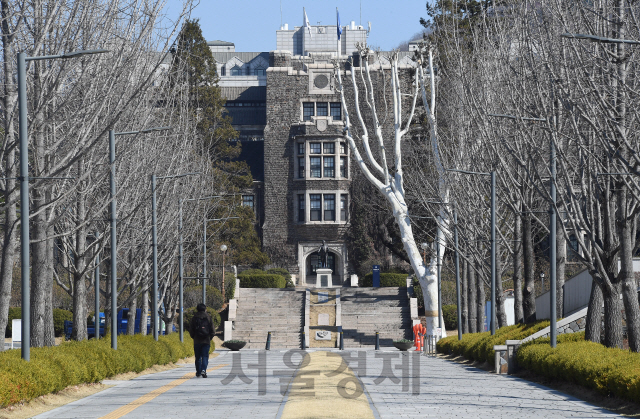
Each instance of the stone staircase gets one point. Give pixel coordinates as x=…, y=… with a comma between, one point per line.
x=366, y=311
x=280, y=311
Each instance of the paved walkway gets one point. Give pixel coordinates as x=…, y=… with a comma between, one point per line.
x=259, y=384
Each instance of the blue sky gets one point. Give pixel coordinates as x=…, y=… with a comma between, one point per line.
x=252, y=24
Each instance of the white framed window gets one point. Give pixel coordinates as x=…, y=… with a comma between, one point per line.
x=320, y=159
x=333, y=110
x=321, y=206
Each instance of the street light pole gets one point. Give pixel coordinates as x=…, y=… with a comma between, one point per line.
x=114, y=253
x=204, y=264
x=223, y=248
x=493, y=253
x=439, y=282
x=24, y=190
x=552, y=245
x=181, y=274
x=96, y=290
x=154, y=246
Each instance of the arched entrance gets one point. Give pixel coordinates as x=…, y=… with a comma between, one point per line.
x=309, y=262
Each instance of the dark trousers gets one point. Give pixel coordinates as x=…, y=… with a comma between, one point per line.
x=201, y=351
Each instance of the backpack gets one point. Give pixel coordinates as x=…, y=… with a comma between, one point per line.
x=201, y=326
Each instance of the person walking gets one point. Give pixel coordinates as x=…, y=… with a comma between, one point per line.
x=201, y=331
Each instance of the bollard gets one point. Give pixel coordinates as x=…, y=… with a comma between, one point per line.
x=268, y=341
x=377, y=341
x=341, y=341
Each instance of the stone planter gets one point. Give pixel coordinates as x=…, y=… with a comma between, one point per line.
x=403, y=346
x=235, y=346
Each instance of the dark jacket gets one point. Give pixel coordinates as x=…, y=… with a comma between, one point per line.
x=197, y=339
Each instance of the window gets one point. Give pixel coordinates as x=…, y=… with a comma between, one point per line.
x=336, y=111
x=300, y=148
x=322, y=207
x=315, y=206
x=301, y=167
x=236, y=71
x=247, y=201
x=329, y=207
x=343, y=208
x=301, y=210
x=321, y=109
x=343, y=167
x=328, y=148
x=307, y=111
x=260, y=72
x=329, y=166
x=315, y=148
x=343, y=147
x=223, y=71
x=314, y=166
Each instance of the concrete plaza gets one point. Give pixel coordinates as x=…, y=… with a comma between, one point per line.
x=389, y=384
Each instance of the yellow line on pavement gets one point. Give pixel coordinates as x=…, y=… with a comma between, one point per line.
x=128, y=408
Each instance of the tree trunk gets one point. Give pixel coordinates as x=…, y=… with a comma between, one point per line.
x=612, y=316
x=529, y=292
x=480, y=302
x=10, y=194
x=501, y=313
x=49, y=330
x=517, y=268
x=131, y=320
x=593, y=327
x=79, y=283
x=626, y=276
x=561, y=258
x=145, y=312
x=473, y=300
x=464, y=287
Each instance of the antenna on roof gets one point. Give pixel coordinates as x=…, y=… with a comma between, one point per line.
x=280, y=13
x=360, y=12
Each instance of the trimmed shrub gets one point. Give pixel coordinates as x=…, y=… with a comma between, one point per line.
x=450, y=316
x=610, y=371
x=189, y=312
x=262, y=281
x=59, y=316
x=229, y=286
x=386, y=280
x=479, y=346
x=14, y=313
x=52, y=369
x=285, y=273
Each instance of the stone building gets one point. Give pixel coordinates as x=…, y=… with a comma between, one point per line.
x=286, y=108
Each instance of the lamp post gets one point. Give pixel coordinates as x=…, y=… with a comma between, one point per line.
x=24, y=188
x=154, y=246
x=204, y=257
x=113, y=222
x=223, y=249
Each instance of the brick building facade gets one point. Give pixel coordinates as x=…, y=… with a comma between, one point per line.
x=290, y=119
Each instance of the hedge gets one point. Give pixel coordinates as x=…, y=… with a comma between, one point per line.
x=386, y=280
x=59, y=316
x=262, y=281
x=450, y=316
x=283, y=272
x=189, y=312
x=193, y=296
x=479, y=346
x=610, y=371
x=52, y=369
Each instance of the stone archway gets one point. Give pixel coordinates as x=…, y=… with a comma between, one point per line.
x=306, y=255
